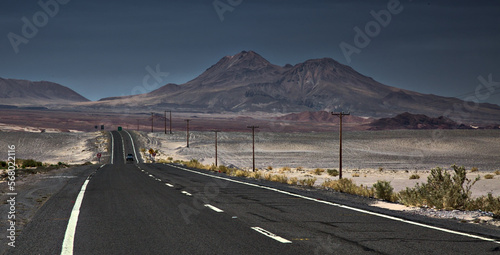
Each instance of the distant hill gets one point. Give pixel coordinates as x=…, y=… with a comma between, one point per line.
x=246, y=82
x=321, y=116
x=36, y=94
x=415, y=121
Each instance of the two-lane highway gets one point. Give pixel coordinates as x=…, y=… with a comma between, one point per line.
x=169, y=209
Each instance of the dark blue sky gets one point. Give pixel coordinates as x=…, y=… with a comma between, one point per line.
x=103, y=48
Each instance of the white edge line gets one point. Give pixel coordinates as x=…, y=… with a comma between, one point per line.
x=214, y=208
x=271, y=235
x=349, y=207
x=133, y=146
x=69, y=236
x=112, y=146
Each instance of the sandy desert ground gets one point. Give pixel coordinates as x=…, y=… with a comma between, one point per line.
x=373, y=155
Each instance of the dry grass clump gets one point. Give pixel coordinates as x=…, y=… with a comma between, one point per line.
x=474, y=169
x=489, y=176
x=309, y=182
x=279, y=178
x=285, y=169
x=348, y=186
x=318, y=171
x=355, y=175
x=255, y=175
x=414, y=176
x=240, y=173
x=485, y=203
x=497, y=172
x=299, y=168
x=269, y=168
x=292, y=181
x=333, y=172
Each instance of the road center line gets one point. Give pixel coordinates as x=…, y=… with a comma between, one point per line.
x=187, y=193
x=170, y=185
x=271, y=235
x=214, y=208
x=69, y=236
x=346, y=207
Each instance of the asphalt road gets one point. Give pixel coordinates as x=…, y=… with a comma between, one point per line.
x=168, y=209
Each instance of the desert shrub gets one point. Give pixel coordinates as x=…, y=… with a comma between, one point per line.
x=299, y=168
x=223, y=169
x=383, y=190
x=414, y=176
x=285, y=169
x=355, y=175
x=267, y=176
x=474, y=169
x=3, y=164
x=309, y=182
x=497, y=172
x=30, y=163
x=348, y=186
x=442, y=190
x=255, y=175
x=170, y=158
x=240, y=173
x=333, y=172
x=488, y=176
x=380, y=169
x=318, y=171
x=269, y=168
x=485, y=203
x=292, y=181
x=279, y=178
x=193, y=163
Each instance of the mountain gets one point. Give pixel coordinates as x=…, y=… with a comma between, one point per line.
x=246, y=82
x=41, y=93
x=415, y=121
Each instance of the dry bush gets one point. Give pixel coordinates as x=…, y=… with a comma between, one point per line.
x=485, y=203
x=333, y=172
x=279, y=178
x=414, y=176
x=474, y=169
x=318, y=171
x=355, y=175
x=285, y=169
x=240, y=173
x=292, y=181
x=348, y=186
x=267, y=176
x=269, y=168
x=489, y=176
x=442, y=190
x=383, y=190
x=497, y=172
x=299, y=168
x=255, y=175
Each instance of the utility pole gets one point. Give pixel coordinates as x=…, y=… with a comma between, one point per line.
x=340, y=115
x=165, y=122
x=187, y=132
x=170, y=121
x=137, y=125
x=253, y=145
x=216, y=131
x=152, y=122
